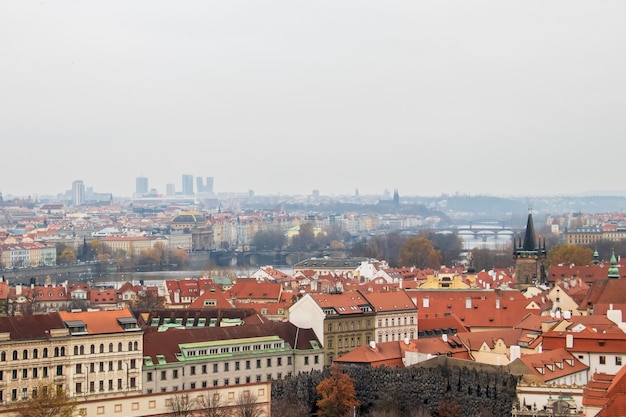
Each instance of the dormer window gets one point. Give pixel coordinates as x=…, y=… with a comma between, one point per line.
x=129, y=324
x=76, y=327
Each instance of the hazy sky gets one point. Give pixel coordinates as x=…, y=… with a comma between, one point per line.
x=477, y=97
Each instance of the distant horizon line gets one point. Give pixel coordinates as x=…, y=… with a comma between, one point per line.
x=237, y=194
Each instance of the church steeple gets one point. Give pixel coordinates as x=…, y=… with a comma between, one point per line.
x=613, y=269
x=529, y=236
x=596, y=257
x=530, y=254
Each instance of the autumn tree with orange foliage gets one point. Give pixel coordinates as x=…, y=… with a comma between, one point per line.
x=419, y=252
x=338, y=396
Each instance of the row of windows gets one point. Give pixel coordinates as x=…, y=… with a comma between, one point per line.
x=393, y=321
x=23, y=393
x=352, y=325
x=132, y=383
x=234, y=349
x=132, y=364
x=345, y=342
x=225, y=382
x=60, y=351
x=28, y=373
x=226, y=367
x=80, y=350
x=602, y=360
x=410, y=335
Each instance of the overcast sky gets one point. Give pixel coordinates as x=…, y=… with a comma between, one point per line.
x=476, y=97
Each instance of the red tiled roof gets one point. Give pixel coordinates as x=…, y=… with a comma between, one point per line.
x=252, y=289
x=488, y=308
x=553, y=364
x=212, y=297
x=389, y=301
x=344, y=303
x=99, y=322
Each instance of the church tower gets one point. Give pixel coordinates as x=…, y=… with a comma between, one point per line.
x=530, y=257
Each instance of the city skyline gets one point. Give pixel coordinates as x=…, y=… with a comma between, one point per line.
x=284, y=98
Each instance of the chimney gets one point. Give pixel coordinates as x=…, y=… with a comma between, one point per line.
x=372, y=345
x=569, y=341
x=444, y=337
x=516, y=352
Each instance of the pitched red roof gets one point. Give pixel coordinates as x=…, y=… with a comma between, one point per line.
x=553, y=364
x=256, y=290
x=389, y=301
x=212, y=297
x=99, y=322
x=487, y=308
x=343, y=304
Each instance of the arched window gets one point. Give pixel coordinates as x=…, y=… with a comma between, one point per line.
x=75, y=350
x=56, y=352
x=35, y=353
x=82, y=349
x=119, y=347
x=3, y=356
x=24, y=354
x=130, y=346
x=92, y=349
x=110, y=347
x=45, y=353
x=62, y=350
x=135, y=346
x=15, y=355
x=101, y=348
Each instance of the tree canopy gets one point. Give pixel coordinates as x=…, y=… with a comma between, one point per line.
x=419, y=252
x=570, y=254
x=47, y=400
x=337, y=393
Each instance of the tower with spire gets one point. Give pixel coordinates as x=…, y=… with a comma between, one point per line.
x=530, y=255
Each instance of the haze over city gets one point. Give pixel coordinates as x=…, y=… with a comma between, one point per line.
x=287, y=97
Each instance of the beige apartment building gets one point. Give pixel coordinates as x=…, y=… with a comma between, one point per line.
x=90, y=354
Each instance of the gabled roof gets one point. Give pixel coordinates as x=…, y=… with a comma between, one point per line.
x=606, y=291
x=105, y=296
x=212, y=297
x=554, y=364
x=509, y=337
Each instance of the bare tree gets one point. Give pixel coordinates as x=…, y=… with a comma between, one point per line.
x=247, y=406
x=180, y=405
x=211, y=405
x=289, y=406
